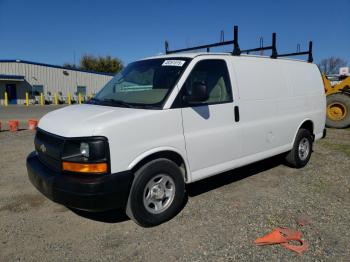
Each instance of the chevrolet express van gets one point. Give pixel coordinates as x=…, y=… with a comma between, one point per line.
x=167, y=121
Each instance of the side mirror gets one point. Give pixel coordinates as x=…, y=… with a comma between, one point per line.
x=199, y=92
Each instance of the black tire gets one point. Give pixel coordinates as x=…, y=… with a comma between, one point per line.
x=136, y=209
x=344, y=101
x=295, y=158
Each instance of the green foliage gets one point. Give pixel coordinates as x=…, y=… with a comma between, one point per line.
x=70, y=66
x=102, y=64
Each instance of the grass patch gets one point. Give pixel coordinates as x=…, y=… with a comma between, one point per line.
x=345, y=149
x=321, y=186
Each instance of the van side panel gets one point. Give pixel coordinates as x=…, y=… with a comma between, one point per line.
x=308, y=98
x=276, y=97
x=262, y=85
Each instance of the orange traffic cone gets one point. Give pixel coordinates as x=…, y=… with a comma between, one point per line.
x=13, y=125
x=275, y=237
x=298, y=249
x=32, y=124
x=283, y=236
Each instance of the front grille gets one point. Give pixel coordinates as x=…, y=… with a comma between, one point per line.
x=49, y=148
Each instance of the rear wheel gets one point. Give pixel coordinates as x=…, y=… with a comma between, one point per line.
x=338, y=110
x=300, y=154
x=157, y=193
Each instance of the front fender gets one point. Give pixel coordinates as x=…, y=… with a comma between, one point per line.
x=150, y=152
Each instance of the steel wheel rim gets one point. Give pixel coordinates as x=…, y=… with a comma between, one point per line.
x=336, y=111
x=304, y=148
x=159, y=193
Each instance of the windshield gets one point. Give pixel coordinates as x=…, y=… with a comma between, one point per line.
x=144, y=84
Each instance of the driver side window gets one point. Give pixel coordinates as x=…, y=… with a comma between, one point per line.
x=214, y=74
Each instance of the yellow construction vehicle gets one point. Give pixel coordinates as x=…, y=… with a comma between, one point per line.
x=337, y=89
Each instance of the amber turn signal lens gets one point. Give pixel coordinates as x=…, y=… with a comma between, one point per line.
x=84, y=168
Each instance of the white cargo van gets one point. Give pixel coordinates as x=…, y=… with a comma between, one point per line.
x=170, y=120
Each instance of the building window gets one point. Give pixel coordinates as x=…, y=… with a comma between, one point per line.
x=37, y=90
x=81, y=90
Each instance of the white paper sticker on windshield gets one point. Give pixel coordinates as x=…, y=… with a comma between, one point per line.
x=173, y=63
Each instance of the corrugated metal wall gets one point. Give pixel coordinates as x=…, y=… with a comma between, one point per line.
x=53, y=79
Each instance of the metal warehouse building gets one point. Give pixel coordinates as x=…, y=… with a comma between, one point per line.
x=17, y=77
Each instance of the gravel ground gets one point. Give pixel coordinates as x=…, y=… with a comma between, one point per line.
x=223, y=215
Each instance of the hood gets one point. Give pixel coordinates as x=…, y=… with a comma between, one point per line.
x=86, y=119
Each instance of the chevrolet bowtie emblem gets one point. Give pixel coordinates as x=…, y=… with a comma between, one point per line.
x=43, y=148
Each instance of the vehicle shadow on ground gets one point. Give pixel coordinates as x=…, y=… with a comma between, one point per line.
x=110, y=216
x=194, y=189
x=228, y=177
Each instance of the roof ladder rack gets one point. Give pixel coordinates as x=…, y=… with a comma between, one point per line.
x=167, y=51
x=272, y=47
x=237, y=51
x=309, y=53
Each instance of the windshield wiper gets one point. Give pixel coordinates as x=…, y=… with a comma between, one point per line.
x=117, y=102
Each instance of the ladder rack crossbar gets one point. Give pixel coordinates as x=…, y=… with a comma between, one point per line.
x=257, y=49
x=294, y=54
x=200, y=47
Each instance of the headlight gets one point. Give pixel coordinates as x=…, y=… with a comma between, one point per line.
x=86, y=155
x=84, y=149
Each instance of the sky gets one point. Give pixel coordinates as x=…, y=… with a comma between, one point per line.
x=55, y=32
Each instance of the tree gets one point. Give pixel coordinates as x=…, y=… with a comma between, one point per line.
x=102, y=64
x=70, y=66
x=331, y=65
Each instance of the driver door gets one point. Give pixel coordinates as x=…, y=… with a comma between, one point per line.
x=210, y=128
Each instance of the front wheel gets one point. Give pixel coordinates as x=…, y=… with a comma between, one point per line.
x=300, y=154
x=157, y=193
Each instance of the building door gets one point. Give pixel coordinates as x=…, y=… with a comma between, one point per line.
x=11, y=93
x=81, y=90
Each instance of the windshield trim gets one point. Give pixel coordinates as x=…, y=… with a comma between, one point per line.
x=166, y=97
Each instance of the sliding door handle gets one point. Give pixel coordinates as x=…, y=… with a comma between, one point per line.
x=236, y=114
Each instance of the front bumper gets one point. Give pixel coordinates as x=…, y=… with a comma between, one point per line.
x=90, y=193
